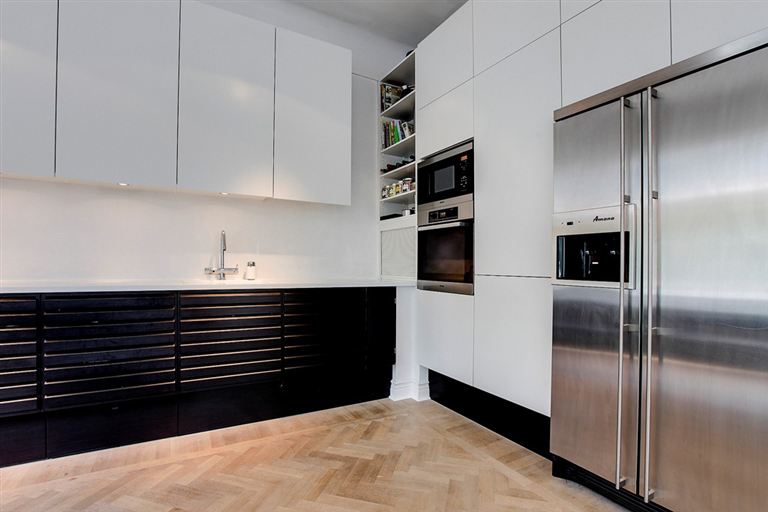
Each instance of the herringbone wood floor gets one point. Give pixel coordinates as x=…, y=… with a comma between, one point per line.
x=378, y=456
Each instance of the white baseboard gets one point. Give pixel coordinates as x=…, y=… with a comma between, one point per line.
x=409, y=389
x=422, y=392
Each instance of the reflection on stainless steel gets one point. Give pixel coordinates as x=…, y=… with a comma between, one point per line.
x=710, y=364
x=693, y=378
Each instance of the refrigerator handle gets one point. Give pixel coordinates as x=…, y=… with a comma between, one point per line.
x=619, y=482
x=652, y=243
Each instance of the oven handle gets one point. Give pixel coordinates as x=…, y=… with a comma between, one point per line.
x=446, y=225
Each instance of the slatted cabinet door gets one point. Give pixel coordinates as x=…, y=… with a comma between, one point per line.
x=229, y=338
x=325, y=346
x=103, y=348
x=18, y=355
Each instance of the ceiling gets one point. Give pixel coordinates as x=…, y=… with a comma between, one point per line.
x=404, y=21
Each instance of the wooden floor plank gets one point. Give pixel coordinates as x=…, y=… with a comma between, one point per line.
x=380, y=456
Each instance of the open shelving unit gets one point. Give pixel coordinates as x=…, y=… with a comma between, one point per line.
x=397, y=161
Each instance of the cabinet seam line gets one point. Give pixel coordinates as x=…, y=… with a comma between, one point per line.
x=178, y=96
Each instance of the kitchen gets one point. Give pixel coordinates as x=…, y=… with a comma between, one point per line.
x=141, y=176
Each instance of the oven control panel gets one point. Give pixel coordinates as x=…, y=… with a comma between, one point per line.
x=443, y=215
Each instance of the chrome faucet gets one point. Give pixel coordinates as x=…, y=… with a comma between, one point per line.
x=222, y=271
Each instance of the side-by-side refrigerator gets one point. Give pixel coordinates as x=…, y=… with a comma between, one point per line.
x=660, y=288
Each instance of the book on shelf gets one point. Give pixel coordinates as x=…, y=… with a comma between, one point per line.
x=395, y=131
x=391, y=94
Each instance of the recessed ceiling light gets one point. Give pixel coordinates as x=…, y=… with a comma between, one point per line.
x=123, y=184
x=224, y=193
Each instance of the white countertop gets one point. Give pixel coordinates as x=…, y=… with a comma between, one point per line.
x=232, y=283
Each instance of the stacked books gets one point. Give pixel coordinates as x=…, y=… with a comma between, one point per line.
x=395, y=131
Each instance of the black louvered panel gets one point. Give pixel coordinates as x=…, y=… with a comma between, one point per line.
x=18, y=354
x=229, y=338
x=107, y=347
x=324, y=332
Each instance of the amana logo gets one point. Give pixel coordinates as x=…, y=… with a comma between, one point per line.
x=602, y=219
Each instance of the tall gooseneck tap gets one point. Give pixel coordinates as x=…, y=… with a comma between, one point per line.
x=222, y=271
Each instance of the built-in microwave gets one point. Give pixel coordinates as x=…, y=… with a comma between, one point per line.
x=446, y=175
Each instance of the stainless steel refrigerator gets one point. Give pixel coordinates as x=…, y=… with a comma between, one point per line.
x=660, y=341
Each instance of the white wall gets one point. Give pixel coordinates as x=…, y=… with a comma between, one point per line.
x=66, y=231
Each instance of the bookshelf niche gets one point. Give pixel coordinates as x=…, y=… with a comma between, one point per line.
x=397, y=169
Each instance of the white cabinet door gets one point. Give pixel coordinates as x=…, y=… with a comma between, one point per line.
x=513, y=339
x=501, y=28
x=313, y=116
x=444, y=333
x=570, y=8
x=446, y=121
x=700, y=25
x=514, y=102
x=27, y=86
x=117, y=91
x=611, y=43
x=226, y=101
x=444, y=57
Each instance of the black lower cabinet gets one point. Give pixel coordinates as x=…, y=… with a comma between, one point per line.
x=226, y=407
x=22, y=439
x=95, y=427
x=87, y=371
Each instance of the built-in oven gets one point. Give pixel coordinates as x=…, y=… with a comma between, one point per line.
x=446, y=249
x=587, y=247
x=446, y=175
x=445, y=261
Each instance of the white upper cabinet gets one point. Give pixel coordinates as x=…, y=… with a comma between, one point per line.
x=444, y=333
x=570, y=8
x=501, y=28
x=700, y=25
x=444, y=57
x=513, y=339
x=514, y=102
x=611, y=43
x=313, y=111
x=117, y=91
x=226, y=101
x=27, y=86
x=446, y=121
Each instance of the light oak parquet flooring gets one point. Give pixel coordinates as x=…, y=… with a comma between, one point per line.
x=373, y=457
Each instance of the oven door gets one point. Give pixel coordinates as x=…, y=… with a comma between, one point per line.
x=446, y=259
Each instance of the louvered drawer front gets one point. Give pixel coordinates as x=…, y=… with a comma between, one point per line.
x=18, y=354
x=319, y=325
x=229, y=338
x=104, y=347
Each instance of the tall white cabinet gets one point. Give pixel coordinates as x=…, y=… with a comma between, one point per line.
x=226, y=101
x=444, y=332
x=117, y=91
x=700, y=25
x=444, y=57
x=613, y=42
x=501, y=28
x=513, y=339
x=514, y=101
x=27, y=87
x=444, y=70
x=313, y=110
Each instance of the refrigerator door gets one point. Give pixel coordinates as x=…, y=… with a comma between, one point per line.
x=708, y=424
x=587, y=428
